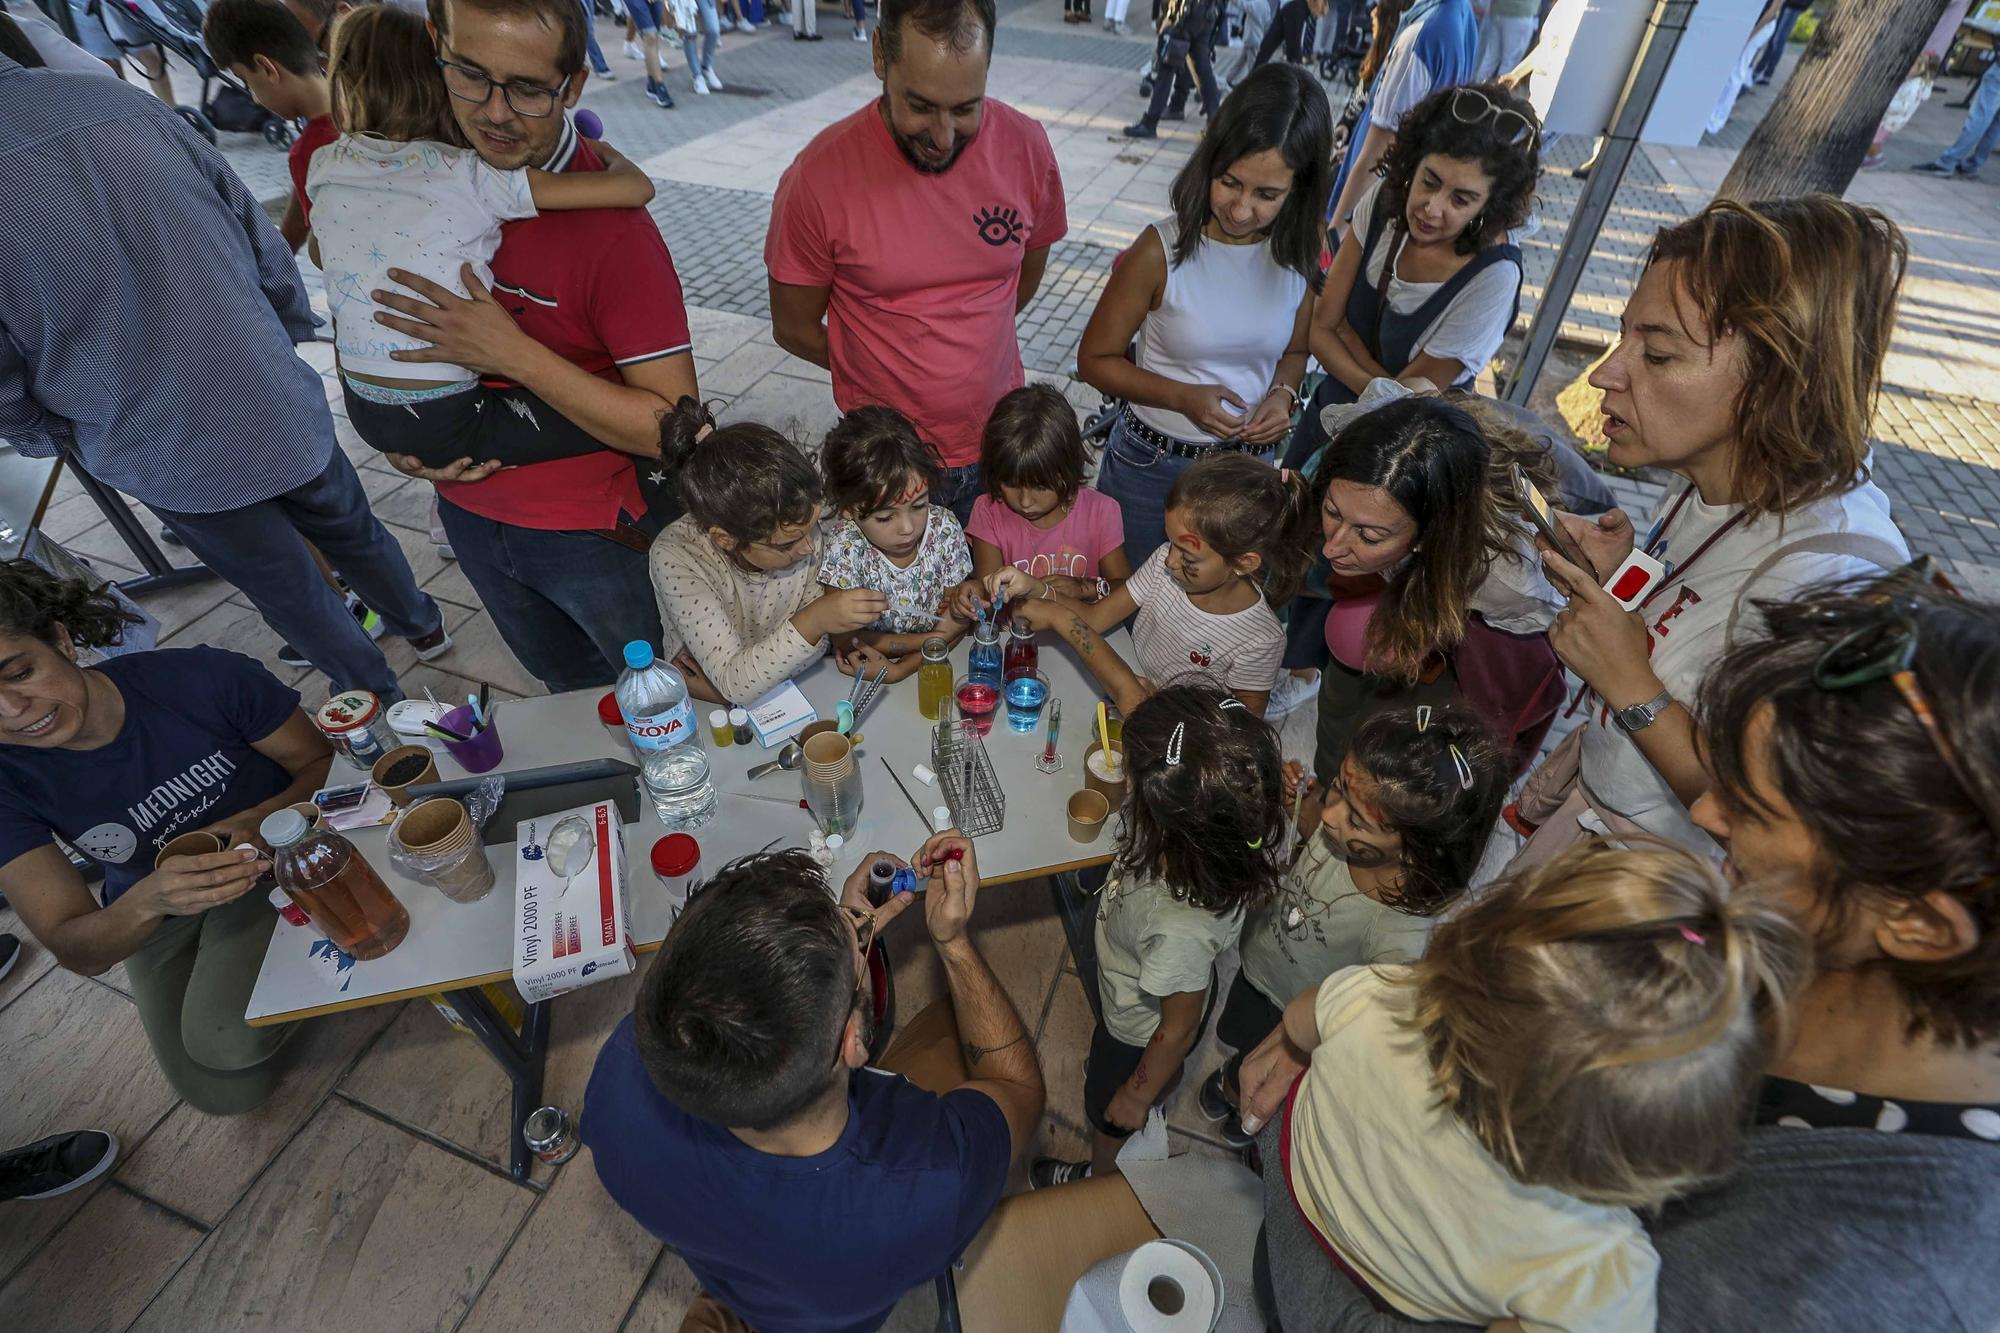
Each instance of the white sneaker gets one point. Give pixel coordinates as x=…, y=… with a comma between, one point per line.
x=745, y=25
x=714, y=83
x=1291, y=692
x=632, y=51
x=700, y=85
x=860, y=34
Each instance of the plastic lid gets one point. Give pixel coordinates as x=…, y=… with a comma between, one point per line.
x=638, y=654
x=834, y=842
x=608, y=711
x=675, y=854
x=941, y=819
x=282, y=828
x=347, y=710
x=739, y=717
x=719, y=718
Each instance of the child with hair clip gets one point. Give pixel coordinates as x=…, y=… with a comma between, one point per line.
x=887, y=535
x=1037, y=515
x=1396, y=843
x=399, y=189
x=1238, y=542
x=1201, y=840
x=737, y=576
x=1475, y=1131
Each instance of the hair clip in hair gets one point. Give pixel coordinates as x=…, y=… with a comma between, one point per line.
x=1464, y=768
x=1254, y=846
x=1423, y=717
x=1231, y=702
x=1174, y=743
x=1693, y=936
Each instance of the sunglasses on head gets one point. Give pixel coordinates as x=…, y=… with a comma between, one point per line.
x=1885, y=648
x=1469, y=106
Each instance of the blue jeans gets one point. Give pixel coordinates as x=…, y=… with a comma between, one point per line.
x=957, y=489
x=1982, y=126
x=597, y=60
x=258, y=548
x=1774, y=52
x=711, y=37
x=566, y=603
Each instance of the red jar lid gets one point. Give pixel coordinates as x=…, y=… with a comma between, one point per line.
x=347, y=710
x=675, y=855
x=608, y=711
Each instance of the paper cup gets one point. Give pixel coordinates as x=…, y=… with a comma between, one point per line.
x=192, y=844
x=1113, y=790
x=311, y=813
x=1087, y=812
x=825, y=726
x=829, y=757
x=440, y=834
x=404, y=756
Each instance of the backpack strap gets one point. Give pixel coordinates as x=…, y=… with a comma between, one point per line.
x=1860, y=545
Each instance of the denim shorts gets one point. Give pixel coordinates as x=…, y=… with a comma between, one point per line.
x=647, y=15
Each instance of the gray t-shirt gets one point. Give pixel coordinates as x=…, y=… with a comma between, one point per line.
x=1320, y=923
x=1150, y=945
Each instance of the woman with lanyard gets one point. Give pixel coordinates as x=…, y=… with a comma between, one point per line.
x=1748, y=365
x=117, y=759
x=1218, y=295
x=1868, y=1191
x=1426, y=283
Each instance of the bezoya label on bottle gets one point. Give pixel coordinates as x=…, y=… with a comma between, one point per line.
x=662, y=731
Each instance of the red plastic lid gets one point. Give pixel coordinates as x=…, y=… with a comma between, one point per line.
x=608, y=711
x=676, y=854
x=347, y=710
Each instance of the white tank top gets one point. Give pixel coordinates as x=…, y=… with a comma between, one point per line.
x=1225, y=318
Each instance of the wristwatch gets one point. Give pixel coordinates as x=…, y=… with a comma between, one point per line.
x=1640, y=716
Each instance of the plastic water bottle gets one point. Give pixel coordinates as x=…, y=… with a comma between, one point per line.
x=659, y=717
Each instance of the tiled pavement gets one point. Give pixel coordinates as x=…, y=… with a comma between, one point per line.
x=370, y=1189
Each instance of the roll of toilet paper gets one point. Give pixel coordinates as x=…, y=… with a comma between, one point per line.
x=1167, y=1287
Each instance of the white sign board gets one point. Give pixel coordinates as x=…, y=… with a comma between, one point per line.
x=1587, y=49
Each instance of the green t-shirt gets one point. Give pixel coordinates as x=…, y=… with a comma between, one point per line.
x=1150, y=945
x=1320, y=923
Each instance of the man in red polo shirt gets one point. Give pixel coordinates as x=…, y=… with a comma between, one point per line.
x=585, y=311
x=905, y=238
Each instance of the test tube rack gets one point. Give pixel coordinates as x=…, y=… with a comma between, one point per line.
x=966, y=776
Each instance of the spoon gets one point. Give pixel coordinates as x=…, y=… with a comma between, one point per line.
x=788, y=759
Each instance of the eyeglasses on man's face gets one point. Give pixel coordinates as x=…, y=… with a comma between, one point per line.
x=469, y=84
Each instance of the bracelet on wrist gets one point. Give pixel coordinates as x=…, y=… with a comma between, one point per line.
x=1289, y=392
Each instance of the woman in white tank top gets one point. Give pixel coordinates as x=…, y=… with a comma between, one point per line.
x=1218, y=297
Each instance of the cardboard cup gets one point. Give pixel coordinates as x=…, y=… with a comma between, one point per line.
x=311, y=813
x=1087, y=812
x=1112, y=792
x=400, y=792
x=434, y=827
x=828, y=757
x=192, y=844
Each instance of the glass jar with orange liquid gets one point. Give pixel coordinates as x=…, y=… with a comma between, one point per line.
x=934, y=681
x=321, y=872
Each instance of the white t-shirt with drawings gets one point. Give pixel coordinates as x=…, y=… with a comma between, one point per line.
x=426, y=208
x=1687, y=620
x=1174, y=637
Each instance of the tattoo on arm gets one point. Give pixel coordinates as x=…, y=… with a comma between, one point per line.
x=1081, y=635
x=974, y=1054
x=1139, y=1075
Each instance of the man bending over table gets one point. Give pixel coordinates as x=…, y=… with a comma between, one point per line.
x=735, y=1115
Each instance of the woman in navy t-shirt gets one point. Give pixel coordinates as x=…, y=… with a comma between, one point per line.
x=117, y=759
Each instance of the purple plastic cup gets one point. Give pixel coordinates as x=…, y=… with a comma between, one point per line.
x=483, y=750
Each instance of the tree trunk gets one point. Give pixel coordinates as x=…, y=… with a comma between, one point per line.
x=1816, y=135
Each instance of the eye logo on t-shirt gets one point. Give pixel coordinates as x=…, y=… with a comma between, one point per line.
x=999, y=226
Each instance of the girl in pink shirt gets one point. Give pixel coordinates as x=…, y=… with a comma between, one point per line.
x=1037, y=515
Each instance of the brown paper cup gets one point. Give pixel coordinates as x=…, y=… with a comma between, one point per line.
x=434, y=827
x=311, y=813
x=399, y=792
x=1087, y=812
x=1113, y=792
x=825, y=726
x=192, y=844
x=829, y=757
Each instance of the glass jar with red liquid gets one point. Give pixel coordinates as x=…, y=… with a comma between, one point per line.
x=321, y=872
x=1022, y=657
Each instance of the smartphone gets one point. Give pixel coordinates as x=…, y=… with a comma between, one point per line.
x=332, y=800
x=1545, y=521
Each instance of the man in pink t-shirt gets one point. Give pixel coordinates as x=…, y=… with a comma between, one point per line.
x=906, y=237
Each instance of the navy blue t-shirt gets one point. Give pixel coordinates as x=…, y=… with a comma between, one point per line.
x=827, y=1243
x=182, y=761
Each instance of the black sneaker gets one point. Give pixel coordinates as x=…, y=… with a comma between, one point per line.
x=1215, y=1107
x=371, y=622
x=1049, y=1171
x=57, y=1164
x=1141, y=131
x=10, y=954
x=1174, y=113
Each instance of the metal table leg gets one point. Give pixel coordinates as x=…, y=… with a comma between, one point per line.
x=521, y=1055
x=161, y=573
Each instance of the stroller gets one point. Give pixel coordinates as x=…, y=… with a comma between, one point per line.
x=225, y=104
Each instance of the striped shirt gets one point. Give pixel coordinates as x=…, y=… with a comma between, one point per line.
x=1175, y=638
x=148, y=307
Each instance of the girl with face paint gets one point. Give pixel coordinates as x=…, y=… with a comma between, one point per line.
x=1394, y=846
